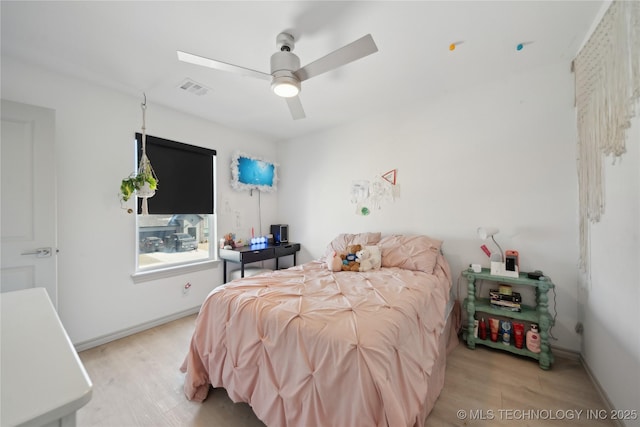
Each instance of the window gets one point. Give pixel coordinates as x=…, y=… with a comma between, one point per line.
x=181, y=220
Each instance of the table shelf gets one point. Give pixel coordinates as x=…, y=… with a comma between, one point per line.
x=527, y=313
x=510, y=348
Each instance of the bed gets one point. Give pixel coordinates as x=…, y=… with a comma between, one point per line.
x=307, y=346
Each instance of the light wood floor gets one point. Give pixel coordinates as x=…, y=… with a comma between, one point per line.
x=137, y=382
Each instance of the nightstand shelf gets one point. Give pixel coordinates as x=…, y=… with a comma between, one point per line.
x=509, y=348
x=528, y=314
x=538, y=314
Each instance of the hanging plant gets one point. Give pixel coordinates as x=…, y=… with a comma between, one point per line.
x=143, y=183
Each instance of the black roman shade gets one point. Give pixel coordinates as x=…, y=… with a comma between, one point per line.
x=185, y=177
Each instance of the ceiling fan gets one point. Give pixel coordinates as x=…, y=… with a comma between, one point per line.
x=286, y=73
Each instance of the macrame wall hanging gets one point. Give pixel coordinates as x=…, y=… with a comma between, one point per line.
x=607, y=89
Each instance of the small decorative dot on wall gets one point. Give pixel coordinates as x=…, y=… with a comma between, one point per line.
x=520, y=46
x=454, y=45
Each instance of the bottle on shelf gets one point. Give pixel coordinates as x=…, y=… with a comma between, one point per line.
x=505, y=332
x=533, y=339
x=494, y=328
x=518, y=334
x=482, y=329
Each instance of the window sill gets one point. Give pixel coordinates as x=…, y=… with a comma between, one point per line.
x=176, y=270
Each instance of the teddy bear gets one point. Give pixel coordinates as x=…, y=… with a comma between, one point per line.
x=334, y=262
x=349, y=260
x=369, y=258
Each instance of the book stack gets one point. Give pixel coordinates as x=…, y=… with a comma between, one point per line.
x=509, y=302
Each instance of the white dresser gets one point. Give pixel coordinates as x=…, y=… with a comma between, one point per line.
x=43, y=381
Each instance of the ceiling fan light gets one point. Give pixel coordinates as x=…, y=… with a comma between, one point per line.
x=286, y=90
x=285, y=86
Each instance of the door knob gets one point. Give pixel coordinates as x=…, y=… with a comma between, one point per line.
x=39, y=252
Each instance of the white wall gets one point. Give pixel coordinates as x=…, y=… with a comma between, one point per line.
x=502, y=154
x=610, y=303
x=94, y=144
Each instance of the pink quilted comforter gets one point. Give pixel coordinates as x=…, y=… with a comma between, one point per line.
x=308, y=347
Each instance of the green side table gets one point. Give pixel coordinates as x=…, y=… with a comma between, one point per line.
x=538, y=314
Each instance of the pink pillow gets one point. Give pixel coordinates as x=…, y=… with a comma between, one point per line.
x=340, y=243
x=419, y=253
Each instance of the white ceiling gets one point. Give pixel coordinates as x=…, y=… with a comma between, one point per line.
x=131, y=46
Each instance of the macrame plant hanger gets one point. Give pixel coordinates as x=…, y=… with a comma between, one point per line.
x=145, y=170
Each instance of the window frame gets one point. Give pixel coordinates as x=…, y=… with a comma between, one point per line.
x=172, y=269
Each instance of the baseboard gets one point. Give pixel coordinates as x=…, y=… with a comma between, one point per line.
x=601, y=392
x=86, y=345
x=565, y=353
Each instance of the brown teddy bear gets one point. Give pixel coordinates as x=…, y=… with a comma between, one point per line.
x=349, y=260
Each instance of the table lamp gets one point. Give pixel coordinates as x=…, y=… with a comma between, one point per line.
x=497, y=266
x=486, y=232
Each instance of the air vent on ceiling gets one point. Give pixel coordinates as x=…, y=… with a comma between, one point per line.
x=193, y=87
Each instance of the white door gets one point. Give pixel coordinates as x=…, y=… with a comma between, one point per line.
x=28, y=199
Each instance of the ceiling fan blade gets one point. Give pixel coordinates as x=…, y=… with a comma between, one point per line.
x=219, y=65
x=295, y=106
x=358, y=49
